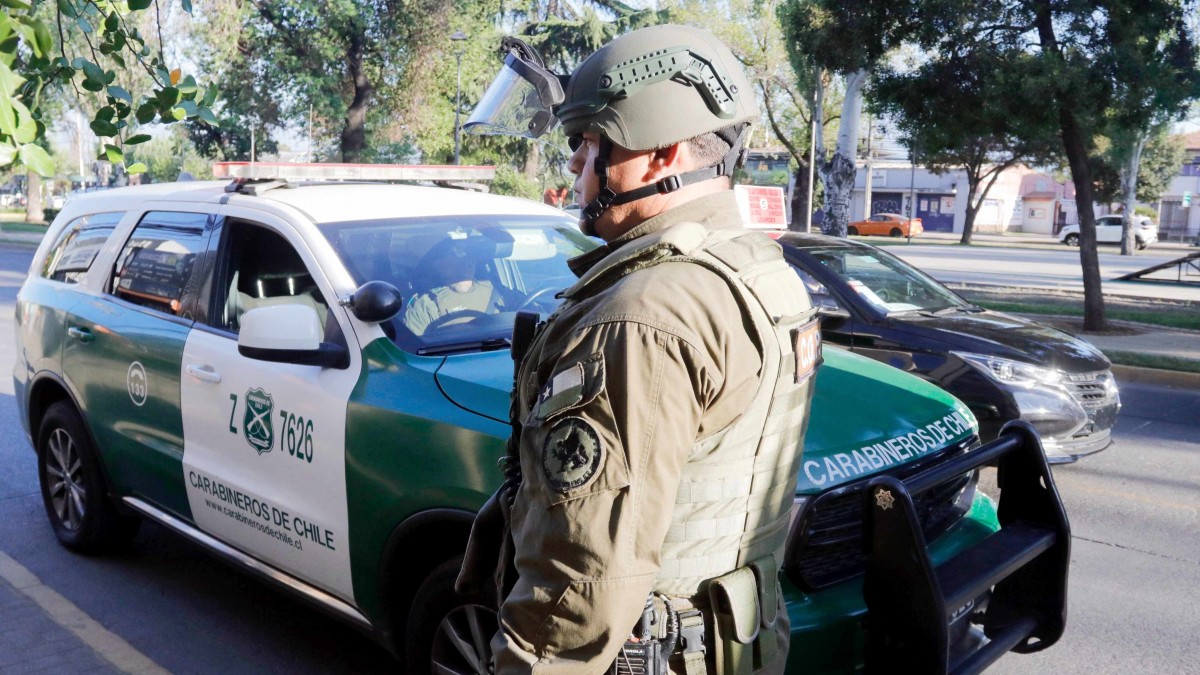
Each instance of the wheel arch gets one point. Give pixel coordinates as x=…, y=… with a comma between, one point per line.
x=46, y=390
x=416, y=546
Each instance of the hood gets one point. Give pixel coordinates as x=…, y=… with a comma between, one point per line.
x=1006, y=336
x=866, y=416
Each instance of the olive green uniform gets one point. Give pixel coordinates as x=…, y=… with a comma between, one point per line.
x=425, y=308
x=626, y=386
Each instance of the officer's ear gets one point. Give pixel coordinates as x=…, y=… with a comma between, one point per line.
x=668, y=161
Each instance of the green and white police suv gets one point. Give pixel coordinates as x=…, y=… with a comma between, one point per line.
x=312, y=381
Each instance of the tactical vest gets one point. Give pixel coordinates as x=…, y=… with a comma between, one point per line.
x=738, y=486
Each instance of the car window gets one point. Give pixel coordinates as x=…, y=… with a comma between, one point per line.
x=463, y=277
x=156, y=264
x=885, y=282
x=72, y=254
x=817, y=291
x=258, y=267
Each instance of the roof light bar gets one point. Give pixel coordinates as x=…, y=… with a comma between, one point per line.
x=290, y=171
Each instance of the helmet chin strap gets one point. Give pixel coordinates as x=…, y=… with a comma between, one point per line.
x=606, y=198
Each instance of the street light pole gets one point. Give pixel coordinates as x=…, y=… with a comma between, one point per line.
x=458, y=36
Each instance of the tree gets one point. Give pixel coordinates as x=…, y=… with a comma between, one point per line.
x=957, y=113
x=1152, y=64
x=1065, y=53
x=847, y=40
x=96, y=40
x=1160, y=162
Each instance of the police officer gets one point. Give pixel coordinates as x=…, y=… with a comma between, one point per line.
x=458, y=295
x=664, y=403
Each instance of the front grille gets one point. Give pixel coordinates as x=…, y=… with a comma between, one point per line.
x=1091, y=390
x=826, y=546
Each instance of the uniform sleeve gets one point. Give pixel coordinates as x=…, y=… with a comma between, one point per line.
x=420, y=312
x=602, y=452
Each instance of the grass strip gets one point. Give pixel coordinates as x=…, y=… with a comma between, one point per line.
x=1139, y=360
x=23, y=227
x=1187, y=319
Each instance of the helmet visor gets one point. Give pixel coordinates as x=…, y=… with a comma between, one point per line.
x=519, y=102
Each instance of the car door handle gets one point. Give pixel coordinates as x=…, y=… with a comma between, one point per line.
x=204, y=373
x=81, y=334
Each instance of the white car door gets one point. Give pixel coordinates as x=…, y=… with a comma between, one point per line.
x=264, y=442
x=1108, y=230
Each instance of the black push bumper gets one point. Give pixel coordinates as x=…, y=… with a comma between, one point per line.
x=912, y=604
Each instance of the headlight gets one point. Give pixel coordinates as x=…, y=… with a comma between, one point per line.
x=1012, y=373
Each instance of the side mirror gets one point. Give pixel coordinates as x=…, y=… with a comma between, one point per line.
x=827, y=307
x=288, y=333
x=375, y=302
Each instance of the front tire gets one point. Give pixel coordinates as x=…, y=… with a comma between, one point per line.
x=448, y=632
x=896, y=232
x=74, y=491
x=852, y=231
x=1071, y=240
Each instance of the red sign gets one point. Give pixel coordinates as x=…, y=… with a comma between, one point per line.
x=762, y=206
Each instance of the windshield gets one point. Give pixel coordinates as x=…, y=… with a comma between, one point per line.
x=463, y=278
x=886, y=283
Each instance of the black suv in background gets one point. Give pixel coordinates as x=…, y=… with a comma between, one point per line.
x=1002, y=366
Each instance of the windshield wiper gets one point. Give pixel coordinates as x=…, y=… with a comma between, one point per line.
x=484, y=345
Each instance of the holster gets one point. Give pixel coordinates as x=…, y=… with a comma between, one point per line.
x=745, y=605
x=485, y=548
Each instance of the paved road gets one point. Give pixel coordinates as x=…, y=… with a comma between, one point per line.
x=1041, y=268
x=1135, y=585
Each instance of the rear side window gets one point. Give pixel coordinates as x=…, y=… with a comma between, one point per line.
x=156, y=264
x=73, y=252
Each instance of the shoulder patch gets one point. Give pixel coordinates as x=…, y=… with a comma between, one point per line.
x=571, y=454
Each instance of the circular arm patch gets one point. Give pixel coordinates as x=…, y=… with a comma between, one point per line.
x=571, y=454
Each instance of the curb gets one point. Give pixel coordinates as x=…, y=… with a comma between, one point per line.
x=1177, y=379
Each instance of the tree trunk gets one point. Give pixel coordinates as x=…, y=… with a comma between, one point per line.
x=33, y=198
x=354, y=134
x=1077, y=157
x=972, y=206
x=533, y=160
x=800, y=204
x=837, y=174
x=1129, y=176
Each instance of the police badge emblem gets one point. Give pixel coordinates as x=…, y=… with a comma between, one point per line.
x=884, y=499
x=256, y=423
x=571, y=454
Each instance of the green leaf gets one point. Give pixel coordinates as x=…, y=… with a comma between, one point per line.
x=107, y=113
x=26, y=130
x=146, y=112
x=210, y=95
x=120, y=93
x=9, y=46
x=102, y=128
x=68, y=9
x=37, y=159
x=16, y=4
x=136, y=167
x=189, y=107
x=178, y=113
x=167, y=96
x=140, y=138
x=8, y=153
x=92, y=85
x=84, y=24
x=188, y=85
x=114, y=154
x=44, y=42
x=139, y=4
x=92, y=71
x=187, y=6
x=111, y=22
x=206, y=114
x=118, y=41
x=118, y=60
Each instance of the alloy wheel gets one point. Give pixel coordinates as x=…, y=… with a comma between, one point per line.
x=64, y=472
x=461, y=643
